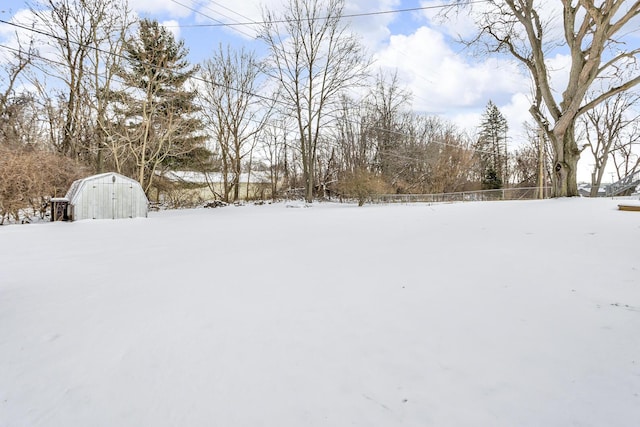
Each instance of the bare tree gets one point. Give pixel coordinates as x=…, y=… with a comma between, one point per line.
x=69, y=24
x=234, y=111
x=603, y=130
x=593, y=34
x=357, y=147
x=274, y=147
x=113, y=24
x=530, y=163
x=86, y=36
x=352, y=170
x=388, y=106
x=13, y=106
x=381, y=142
x=314, y=58
x=449, y=156
x=626, y=151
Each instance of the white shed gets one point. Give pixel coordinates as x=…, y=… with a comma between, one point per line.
x=106, y=196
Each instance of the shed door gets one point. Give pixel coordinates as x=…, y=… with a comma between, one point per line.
x=100, y=195
x=112, y=200
x=122, y=200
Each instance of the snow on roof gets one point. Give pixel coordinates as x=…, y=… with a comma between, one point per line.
x=77, y=185
x=73, y=190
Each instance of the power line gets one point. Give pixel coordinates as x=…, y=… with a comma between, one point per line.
x=203, y=80
x=350, y=15
x=236, y=23
x=249, y=22
x=230, y=10
x=331, y=116
x=120, y=56
x=210, y=17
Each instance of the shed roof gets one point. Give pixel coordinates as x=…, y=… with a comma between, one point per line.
x=76, y=186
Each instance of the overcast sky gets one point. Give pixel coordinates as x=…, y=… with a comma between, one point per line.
x=443, y=76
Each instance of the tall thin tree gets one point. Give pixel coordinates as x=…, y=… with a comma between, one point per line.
x=234, y=111
x=492, y=147
x=314, y=58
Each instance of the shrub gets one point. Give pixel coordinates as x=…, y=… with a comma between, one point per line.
x=361, y=185
x=28, y=179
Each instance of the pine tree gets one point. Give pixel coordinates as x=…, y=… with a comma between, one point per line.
x=492, y=148
x=156, y=124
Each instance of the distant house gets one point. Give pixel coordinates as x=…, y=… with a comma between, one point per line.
x=584, y=189
x=104, y=196
x=209, y=185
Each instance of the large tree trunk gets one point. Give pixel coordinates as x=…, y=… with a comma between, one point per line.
x=308, y=163
x=237, y=170
x=308, y=184
x=566, y=155
x=596, y=179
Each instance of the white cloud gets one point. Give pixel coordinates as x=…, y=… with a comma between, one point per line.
x=454, y=22
x=173, y=9
x=558, y=67
x=469, y=121
x=173, y=26
x=456, y=86
x=239, y=11
x=233, y=12
x=517, y=113
x=461, y=21
x=444, y=81
x=20, y=37
x=372, y=29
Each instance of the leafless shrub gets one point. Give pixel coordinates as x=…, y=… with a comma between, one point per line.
x=29, y=178
x=361, y=185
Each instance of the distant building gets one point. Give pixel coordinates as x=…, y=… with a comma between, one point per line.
x=584, y=189
x=210, y=185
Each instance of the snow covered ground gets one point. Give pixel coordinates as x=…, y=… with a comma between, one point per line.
x=480, y=314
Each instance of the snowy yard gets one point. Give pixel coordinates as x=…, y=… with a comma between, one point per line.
x=479, y=314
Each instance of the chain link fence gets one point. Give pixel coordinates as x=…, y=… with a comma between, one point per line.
x=526, y=193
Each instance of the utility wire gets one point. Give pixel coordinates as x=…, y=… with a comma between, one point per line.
x=220, y=23
x=203, y=80
x=211, y=17
x=121, y=56
x=284, y=21
x=349, y=15
x=333, y=116
x=230, y=10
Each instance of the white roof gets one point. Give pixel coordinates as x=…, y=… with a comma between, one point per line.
x=77, y=185
x=194, y=177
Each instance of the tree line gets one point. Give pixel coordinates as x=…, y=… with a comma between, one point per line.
x=105, y=92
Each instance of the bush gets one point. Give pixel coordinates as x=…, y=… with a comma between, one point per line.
x=361, y=185
x=28, y=179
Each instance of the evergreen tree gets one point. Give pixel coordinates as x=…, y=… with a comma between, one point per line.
x=156, y=126
x=492, y=148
